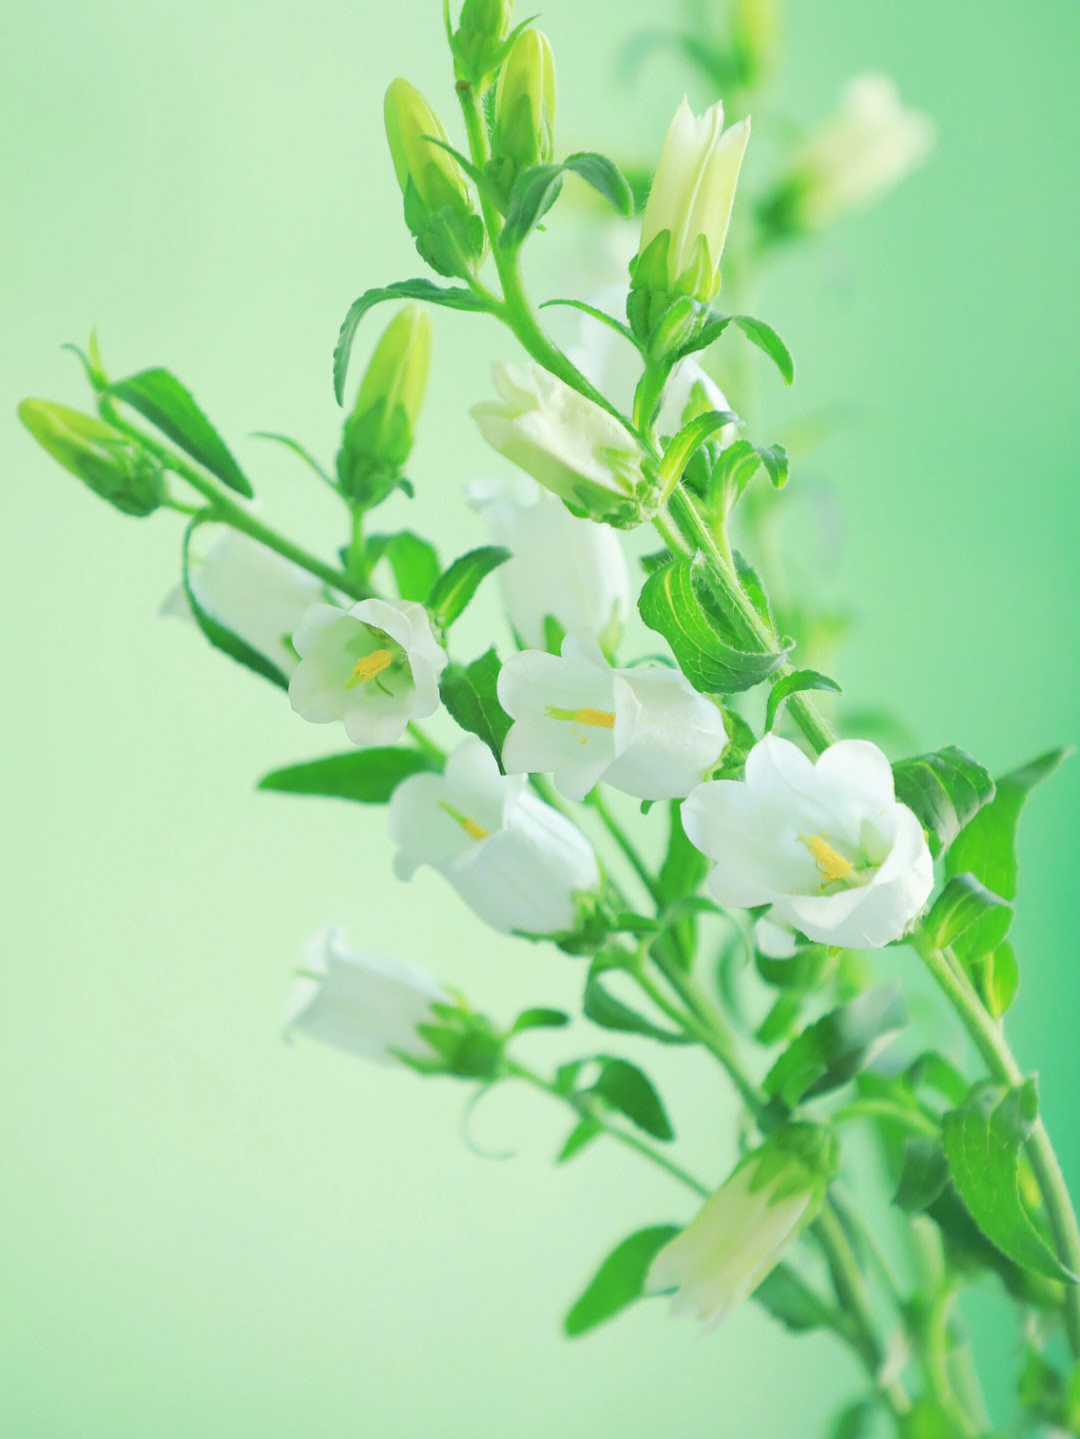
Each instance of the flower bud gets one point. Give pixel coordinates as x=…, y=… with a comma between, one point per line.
x=524, y=108
x=480, y=39
x=756, y=31
x=113, y=466
x=438, y=207
x=687, y=216
x=747, y=1226
x=568, y=443
x=864, y=150
x=378, y=435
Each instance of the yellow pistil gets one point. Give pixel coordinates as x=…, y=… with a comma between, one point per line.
x=471, y=828
x=833, y=866
x=598, y=719
x=373, y=664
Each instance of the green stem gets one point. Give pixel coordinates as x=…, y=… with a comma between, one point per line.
x=622, y=839
x=990, y=1041
x=623, y=1136
x=228, y=512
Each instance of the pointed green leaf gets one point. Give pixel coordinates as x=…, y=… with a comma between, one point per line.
x=688, y=441
x=581, y=1135
x=982, y=1142
x=832, y=1050
x=768, y=341
x=967, y=917
x=672, y=604
x=620, y=1279
x=601, y=315
x=945, y=789
x=219, y=636
x=624, y=1086
x=535, y=191
x=986, y=846
x=469, y=693
x=791, y=684
x=298, y=450
x=540, y=1019
x=924, y=1175
x=787, y=1297
x=456, y=586
x=368, y=776
x=605, y=177
x=453, y=297
x=610, y=1013
x=160, y=398
x=412, y=559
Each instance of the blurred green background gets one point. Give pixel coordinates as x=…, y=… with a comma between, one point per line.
x=208, y=1232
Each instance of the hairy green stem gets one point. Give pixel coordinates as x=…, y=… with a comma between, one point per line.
x=989, y=1039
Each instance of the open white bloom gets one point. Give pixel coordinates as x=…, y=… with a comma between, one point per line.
x=867, y=147
x=369, y=1007
x=560, y=566
x=645, y=730
x=375, y=666
x=828, y=845
x=691, y=202
x=253, y=592
x=572, y=446
x=743, y=1231
x=515, y=861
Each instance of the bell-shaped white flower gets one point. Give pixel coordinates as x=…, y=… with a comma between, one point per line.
x=515, y=861
x=561, y=566
x=253, y=592
x=375, y=666
x=370, y=1007
x=645, y=730
x=865, y=149
x=573, y=447
x=746, y=1227
x=827, y=845
x=690, y=203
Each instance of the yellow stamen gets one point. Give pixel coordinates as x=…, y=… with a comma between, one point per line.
x=373, y=664
x=599, y=719
x=471, y=828
x=832, y=865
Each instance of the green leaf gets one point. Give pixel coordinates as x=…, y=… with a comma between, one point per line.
x=832, y=1050
x=967, y=917
x=924, y=1175
x=790, y=1299
x=605, y=177
x=768, y=341
x=219, y=636
x=368, y=776
x=453, y=297
x=610, y=1013
x=534, y=192
x=540, y=1019
x=413, y=561
x=456, y=586
x=926, y=1419
x=469, y=693
x=854, y=1422
x=581, y=1135
x=672, y=605
x=945, y=789
x=683, y=446
x=982, y=1142
x=620, y=1279
x=624, y=1086
x=160, y=398
x=986, y=846
x=794, y=683
x=997, y=976
x=684, y=866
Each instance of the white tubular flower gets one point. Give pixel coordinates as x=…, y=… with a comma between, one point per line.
x=561, y=566
x=515, y=861
x=746, y=1227
x=253, y=592
x=690, y=202
x=375, y=666
x=645, y=731
x=575, y=449
x=865, y=149
x=369, y=1007
x=828, y=845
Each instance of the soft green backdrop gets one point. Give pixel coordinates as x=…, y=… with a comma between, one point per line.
x=207, y=1232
